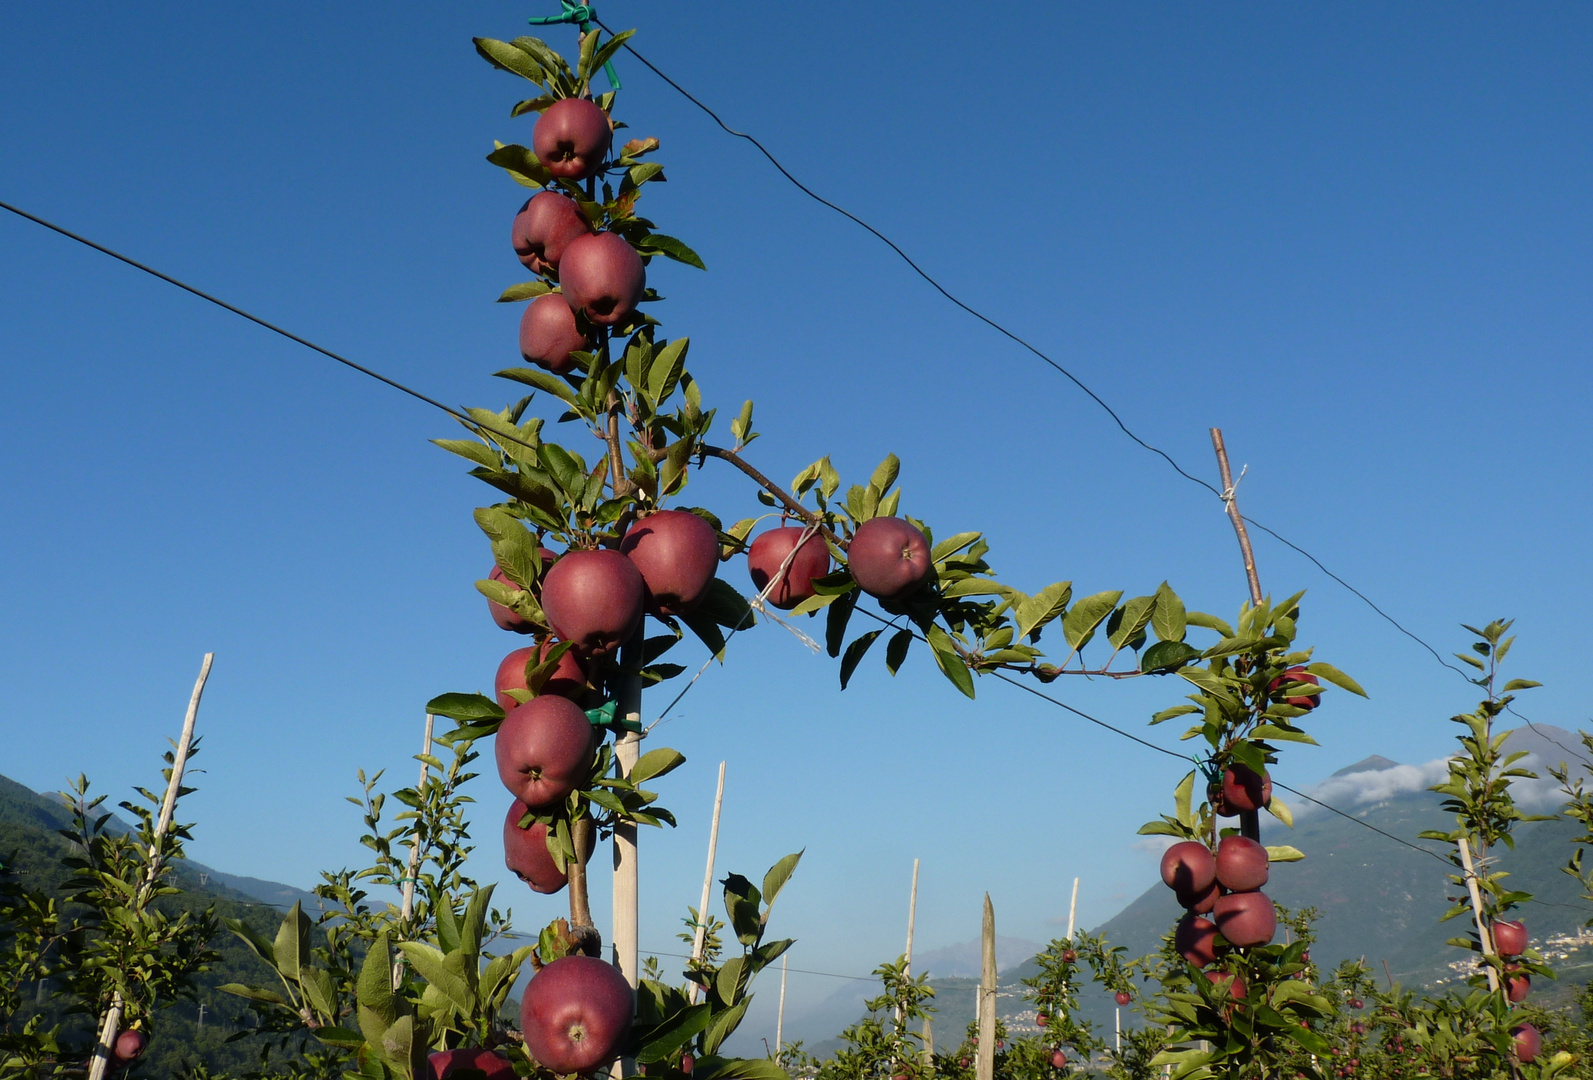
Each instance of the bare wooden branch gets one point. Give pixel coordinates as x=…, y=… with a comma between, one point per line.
x=1231, y=502
x=700, y=941
x=986, y=1061
x=786, y=499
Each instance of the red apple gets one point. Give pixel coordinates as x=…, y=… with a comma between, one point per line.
x=1069, y=956
x=489, y=1063
x=769, y=552
x=1518, y=985
x=1123, y=997
x=687, y=1063
x=1196, y=940
x=1297, y=675
x=1188, y=867
x=548, y=334
x=1059, y=1060
x=571, y=138
x=1510, y=938
x=129, y=1046
x=888, y=558
x=594, y=599
x=544, y=750
x=506, y=618
x=1225, y=980
x=676, y=552
x=962, y=1063
x=544, y=227
x=1241, y=864
x=603, y=276
x=1041, y=1019
x=1528, y=1042
x=525, y=851
x=576, y=1014
x=1198, y=902
x=1242, y=790
x=1246, y=918
x=568, y=678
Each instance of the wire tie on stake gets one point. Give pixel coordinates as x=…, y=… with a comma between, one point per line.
x=1228, y=496
x=581, y=15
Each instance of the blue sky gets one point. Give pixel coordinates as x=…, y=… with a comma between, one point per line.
x=1354, y=238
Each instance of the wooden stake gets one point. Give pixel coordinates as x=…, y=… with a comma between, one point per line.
x=1073, y=909
x=929, y=1042
x=701, y=940
x=987, y=996
x=779, y=1020
x=907, y=957
x=112, y=1021
x=1249, y=820
x=1483, y=934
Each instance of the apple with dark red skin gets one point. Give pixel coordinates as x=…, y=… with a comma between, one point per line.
x=568, y=678
x=525, y=852
x=889, y=559
x=687, y=1064
x=1241, y=864
x=1059, y=1060
x=129, y=1046
x=1296, y=675
x=602, y=276
x=544, y=750
x=1242, y=790
x=576, y=1014
x=1041, y=1019
x=548, y=334
x=572, y=137
x=769, y=552
x=1123, y=997
x=544, y=227
x=1198, y=902
x=1528, y=1042
x=1188, y=867
x=593, y=599
x=676, y=552
x=1518, y=984
x=1196, y=940
x=1246, y=918
x=962, y=1063
x=1225, y=980
x=1510, y=938
x=505, y=617
x=491, y=1064
x=1357, y=1003
x=1069, y=956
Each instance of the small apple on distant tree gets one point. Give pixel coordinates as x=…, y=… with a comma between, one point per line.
x=889, y=559
x=603, y=276
x=1123, y=997
x=488, y=1064
x=130, y=1045
x=1528, y=1042
x=548, y=334
x=1059, y=1060
x=593, y=598
x=576, y=1014
x=1225, y=980
x=572, y=137
x=1518, y=984
x=544, y=227
x=677, y=553
x=769, y=552
x=1041, y=1019
x=544, y=750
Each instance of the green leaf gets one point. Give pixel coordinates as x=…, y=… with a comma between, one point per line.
x=854, y=655
x=1086, y=615
x=471, y=450
x=432, y=966
x=669, y=247
x=1183, y=796
x=526, y=290
x=505, y=57
x=1280, y=810
x=946, y=658
x=707, y=630
x=1169, y=619
x=1278, y=734
x=1284, y=853
x=1035, y=611
x=948, y=547
x=674, y=1033
x=725, y=606
x=723, y=1024
x=341, y=1038
x=896, y=650
x=656, y=763
x=540, y=380
x=668, y=365
x=521, y=165
x=1136, y=616
x=465, y=708
x=778, y=875
x=1163, y=657
x=835, y=621
x=253, y=993
x=885, y=474
x=1520, y=684
x=1208, y=622
x=1335, y=676
x=292, y=947
x=714, y=1068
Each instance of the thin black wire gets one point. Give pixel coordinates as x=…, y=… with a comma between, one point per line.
x=273, y=327
x=1550, y=738
x=804, y=971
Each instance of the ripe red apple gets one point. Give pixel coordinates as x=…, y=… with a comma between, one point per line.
x=888, y=558
x=677, y=553
x=1188, y=867
x=1246, y=918
x=962, y=1063
x=594, y=599
x=1225, y=980
x=1059, y=1060
x=1518, y=986
x=1510, y=938
x=1041, y=1019
x=568, y=678
x=1069, y=956
x=1528, y=1042
x=687, y=1063
x=1242, y=789
x=1357, y=1003
x=544, y=750
x=576, y=1014
x=1196, y=940
x=1198, y=902
x=602, y=276
x=544, y=227
x=1297, y=675
x=1241, y=864
x=525, y=852
x=506, y=618
x=129, y=1046
x=548, y=334
x=1123, y=997
x=571, y=138
x=491, y=1064
x=769, y=552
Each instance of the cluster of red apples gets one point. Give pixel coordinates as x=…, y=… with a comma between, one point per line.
x=1510, y=941
x=1225, y=886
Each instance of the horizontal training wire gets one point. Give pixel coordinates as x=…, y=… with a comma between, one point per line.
x=805, y=971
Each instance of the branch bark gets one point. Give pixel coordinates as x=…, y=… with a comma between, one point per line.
x=786, y=500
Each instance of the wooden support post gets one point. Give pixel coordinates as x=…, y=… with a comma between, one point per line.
x=986, y=1059
x=700, y=941
x=929, y=1042
x=1249, y=820
x=112, y=1021
x=907, y=957
x=407, y=909
x=1483, y=934
x=1073, y=909
x=779, y=1019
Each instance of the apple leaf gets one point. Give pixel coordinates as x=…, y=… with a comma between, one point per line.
x=1280, y=734
x=1284, y=853
x=1035, y=611
x=505, y=57
x=854, y=655
x=1080, y=623
x=521, y=165
x=1280, y=810
x=739, y=1069
x=896, y=650
x=835, y=623
x=951, y=545
x=946, y=658
x=1183, y=796
x=778, y=875
x=721, y=1026
x=1169, y=619
x=1335, y=676
x=670, y=248
x=674, y=1033
x=1129, y=621
x=885, y=474
x=465, y=708
x=656, y=763
x=526, y=290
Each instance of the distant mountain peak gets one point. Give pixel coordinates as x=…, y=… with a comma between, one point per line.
x=1375, y=763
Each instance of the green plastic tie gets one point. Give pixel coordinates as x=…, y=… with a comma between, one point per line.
x=604, y=716
x=581, y=15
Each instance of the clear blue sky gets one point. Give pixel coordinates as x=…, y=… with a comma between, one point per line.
x=1356, y=238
